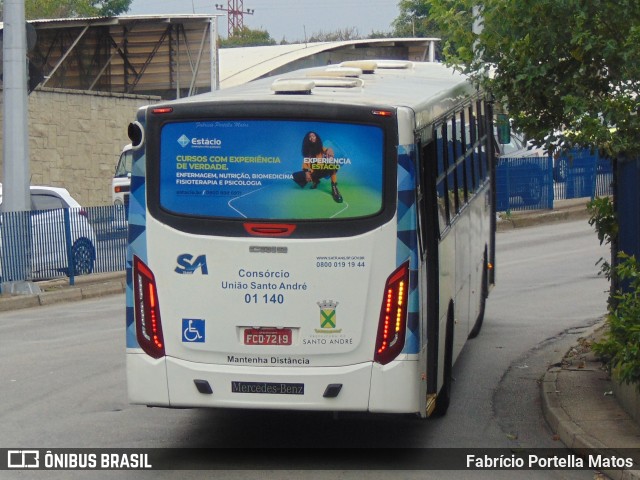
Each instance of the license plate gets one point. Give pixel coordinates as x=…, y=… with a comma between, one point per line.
x=267, y=336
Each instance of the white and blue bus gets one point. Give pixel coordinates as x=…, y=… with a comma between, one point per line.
x=321, y=240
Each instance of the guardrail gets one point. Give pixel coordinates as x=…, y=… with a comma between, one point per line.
x=46, y=244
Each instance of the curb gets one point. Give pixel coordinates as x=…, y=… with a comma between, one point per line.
x=563, y=425
x=519, y=220
x=58, y=291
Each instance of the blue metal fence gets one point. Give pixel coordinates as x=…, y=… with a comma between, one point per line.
x=604, y=177
x=532, y=183
x=579, y=174
x=524, y=183
x=47, y=244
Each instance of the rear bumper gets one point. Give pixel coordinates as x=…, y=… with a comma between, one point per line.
x=170, y=382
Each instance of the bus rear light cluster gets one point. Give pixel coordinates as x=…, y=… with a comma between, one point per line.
x=147, y=310
x=162, y=110
x=269, y=229
x=392, y=325
x=383, y=113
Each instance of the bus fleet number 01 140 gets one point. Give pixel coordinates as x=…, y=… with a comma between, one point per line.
x=266, y=298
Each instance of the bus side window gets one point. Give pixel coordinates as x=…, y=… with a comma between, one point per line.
x=441, y=180
x=482, y=153
x=462, y=167
x=472, y=158
x=452, y=179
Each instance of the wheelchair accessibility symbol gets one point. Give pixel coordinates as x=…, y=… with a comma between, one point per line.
x=192, y=330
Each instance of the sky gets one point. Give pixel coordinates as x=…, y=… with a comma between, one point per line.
x=288, y=19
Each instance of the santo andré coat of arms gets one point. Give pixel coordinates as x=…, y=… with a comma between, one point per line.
x=328, y=320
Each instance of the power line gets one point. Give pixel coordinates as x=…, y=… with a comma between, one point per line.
x=235, y=15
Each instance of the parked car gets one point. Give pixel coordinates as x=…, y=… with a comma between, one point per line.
x=121, y=181
x=49, y=252
x=528, y=149
x=521, y=177
x=519, y=172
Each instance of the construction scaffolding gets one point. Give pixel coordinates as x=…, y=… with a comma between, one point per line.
x=169, y=56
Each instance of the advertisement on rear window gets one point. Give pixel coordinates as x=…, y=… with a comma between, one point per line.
x=271, y=169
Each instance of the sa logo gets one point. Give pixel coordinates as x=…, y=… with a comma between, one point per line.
x=188, y=266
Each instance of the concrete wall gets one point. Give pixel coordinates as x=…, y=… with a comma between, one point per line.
x=75, y=139
x=628, y=395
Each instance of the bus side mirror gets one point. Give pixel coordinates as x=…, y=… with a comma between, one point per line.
x=136, y=134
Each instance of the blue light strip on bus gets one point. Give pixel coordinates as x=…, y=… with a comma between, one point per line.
x=407, y=244
x=137, y=234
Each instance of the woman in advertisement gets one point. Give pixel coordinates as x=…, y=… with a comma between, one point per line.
x=318, y=163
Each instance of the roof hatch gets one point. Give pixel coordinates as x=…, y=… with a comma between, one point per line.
x=292, y=86
x=335, y=71
x=367, y=66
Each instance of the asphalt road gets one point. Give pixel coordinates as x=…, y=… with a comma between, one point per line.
x=62, y=378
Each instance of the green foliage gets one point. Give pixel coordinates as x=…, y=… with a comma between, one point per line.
x=380, y=34
x=41, y=9
x=415, y=20
x=621, y=345
x=345, y=34
x=339, y=35
x=112, y=8
x=558, y=65
x=248, y=38
x=602, y=216
x=570, y=68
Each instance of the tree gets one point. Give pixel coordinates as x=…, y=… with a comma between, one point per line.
x=339, y=35
x=570, y=66
x=573, y=67
x=415, y=20
x=39, y=9
x=248, y=38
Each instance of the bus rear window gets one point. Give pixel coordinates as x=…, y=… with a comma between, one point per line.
x=271, y=169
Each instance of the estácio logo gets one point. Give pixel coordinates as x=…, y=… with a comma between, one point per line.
x=184, y=141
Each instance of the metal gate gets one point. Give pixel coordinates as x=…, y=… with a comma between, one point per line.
x=533, y=183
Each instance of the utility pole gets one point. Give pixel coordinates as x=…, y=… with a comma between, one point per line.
x=16, y=199
x=213, y=42
x=235, y=15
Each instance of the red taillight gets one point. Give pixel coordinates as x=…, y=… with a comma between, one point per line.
x=269, y=229
x=162, y=110
x=147, y=310
x=393, y=316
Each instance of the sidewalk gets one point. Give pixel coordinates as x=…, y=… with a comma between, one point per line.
x=578, y=399
x=580, y=406
x=577, y=394
x=564, y=211
x=56, y=291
